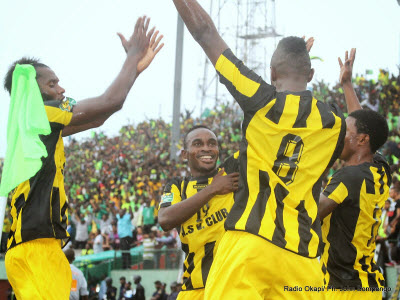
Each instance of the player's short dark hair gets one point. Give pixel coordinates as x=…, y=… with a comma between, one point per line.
x=70, y=254
x=291, y=56
x=190, y=130
x=373, y=124
x=23, y=61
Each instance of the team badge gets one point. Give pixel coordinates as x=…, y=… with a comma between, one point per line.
x=67, y=104
x=168, y=197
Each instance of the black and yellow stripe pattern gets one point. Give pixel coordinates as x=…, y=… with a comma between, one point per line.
x=201, y=234
x=289, y=139
x=349, y=232
x=39, y=205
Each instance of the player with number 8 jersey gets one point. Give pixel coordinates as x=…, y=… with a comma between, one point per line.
x=289, y=140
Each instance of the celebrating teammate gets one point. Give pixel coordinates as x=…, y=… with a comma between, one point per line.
x=351, y=204
x=36, y=266
x=289, y=140
x=199, y=205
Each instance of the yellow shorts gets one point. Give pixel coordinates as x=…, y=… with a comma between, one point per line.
x=350, y=295
x=191, y=295
x=39, y=270
x=249, y=267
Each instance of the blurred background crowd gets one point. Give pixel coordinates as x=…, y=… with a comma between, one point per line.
x=114, y=184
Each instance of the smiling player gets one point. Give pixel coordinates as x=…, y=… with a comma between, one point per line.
x=199, y=205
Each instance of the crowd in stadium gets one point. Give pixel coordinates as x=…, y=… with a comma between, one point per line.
x=108, y=177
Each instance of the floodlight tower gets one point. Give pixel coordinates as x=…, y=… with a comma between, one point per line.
x=248, y=27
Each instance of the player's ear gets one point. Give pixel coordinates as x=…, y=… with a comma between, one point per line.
x=273, y=75
x=363, y=139
x=311, y=75
x=184, y=154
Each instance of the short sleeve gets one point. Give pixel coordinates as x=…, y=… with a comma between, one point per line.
x=249, y=89
x=60, y=112
x=82, y=285
x=336, y=188
x=171, y=194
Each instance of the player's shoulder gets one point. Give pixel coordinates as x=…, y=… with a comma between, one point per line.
x=348, y=174
x=174, y=182
x=329, y=108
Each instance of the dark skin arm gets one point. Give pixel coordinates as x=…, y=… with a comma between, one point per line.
x=93, y=112
x=346, y=70
x=325, y=206
x=202, y=28
x=174, y=215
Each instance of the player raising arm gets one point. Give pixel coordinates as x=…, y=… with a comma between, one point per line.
x=289, y=139
x=351, y=204
x=35, y=264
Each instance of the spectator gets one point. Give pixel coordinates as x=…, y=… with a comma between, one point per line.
x=122, y=280
x=160, y=293
x=128, y=292
x=174, y=291
x=103, y=288
x=148, y=217
x=82, y=232
x=149, y=246
x=125, y=236
x=111, y=291
x=139, y=291
x=98, y=242
x=79, y=284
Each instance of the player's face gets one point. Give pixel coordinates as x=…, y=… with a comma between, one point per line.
x=202, y=152
x=350, y=141
x=48, y=84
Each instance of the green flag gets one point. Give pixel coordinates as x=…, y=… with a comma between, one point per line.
x=27, y=119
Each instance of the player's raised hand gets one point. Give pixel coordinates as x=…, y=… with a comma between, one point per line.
x=346, y=68
x=309, y=42
x=151, y=52
x=139, y=41
x=225, y=184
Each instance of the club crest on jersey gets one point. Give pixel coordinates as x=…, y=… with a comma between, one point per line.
x=168, y=197
x=67, y=104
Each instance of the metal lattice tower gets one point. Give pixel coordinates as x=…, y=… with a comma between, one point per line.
x=248, y=27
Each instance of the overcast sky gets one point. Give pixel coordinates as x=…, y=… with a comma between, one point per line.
x=78, y=40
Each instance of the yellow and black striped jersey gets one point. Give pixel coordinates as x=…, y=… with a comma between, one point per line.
x=289, y=140
x=349, y=232
x=39, y=205
x=201, y=234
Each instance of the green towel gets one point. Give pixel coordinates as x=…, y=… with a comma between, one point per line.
x=27, y=119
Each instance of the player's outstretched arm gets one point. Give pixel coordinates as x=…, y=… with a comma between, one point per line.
x=202, y=28
x=175, y=215
x=93, y=112
x=325, y=206
x=346, y=71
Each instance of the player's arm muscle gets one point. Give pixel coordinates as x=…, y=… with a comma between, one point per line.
x=202, y=28
x=326, y=206
x=174, y=215
x=346, y=70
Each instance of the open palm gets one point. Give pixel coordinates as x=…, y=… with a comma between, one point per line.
x=151, y=52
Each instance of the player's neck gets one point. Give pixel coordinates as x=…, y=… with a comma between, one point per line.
x=360, y=158
x=199, y=174
x=290, y=84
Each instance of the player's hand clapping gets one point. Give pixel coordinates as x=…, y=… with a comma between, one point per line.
x=225, y=184
x=346, y=69
x=140, y=39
